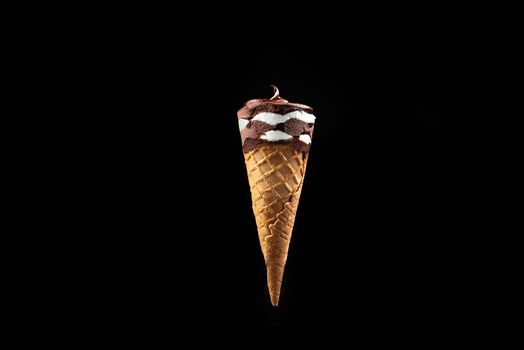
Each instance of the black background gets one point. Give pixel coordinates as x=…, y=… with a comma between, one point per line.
x=375, y=246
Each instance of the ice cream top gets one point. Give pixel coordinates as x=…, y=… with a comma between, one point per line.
x=275, y=120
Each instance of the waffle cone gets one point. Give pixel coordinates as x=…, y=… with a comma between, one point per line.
x=276, y=173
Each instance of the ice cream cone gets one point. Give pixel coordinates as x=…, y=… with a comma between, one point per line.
x=276, y=137
x=276, y=173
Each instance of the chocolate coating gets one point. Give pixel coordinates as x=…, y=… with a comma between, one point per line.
x=275, y=104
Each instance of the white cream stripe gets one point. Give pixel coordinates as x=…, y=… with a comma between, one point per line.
x=274, y=118
x=242, y=123
x=305, y=138
x=275, y=135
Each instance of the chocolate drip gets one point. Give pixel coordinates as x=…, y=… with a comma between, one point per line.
x=277, y=93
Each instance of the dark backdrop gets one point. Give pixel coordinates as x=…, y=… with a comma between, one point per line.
x=374, y=247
